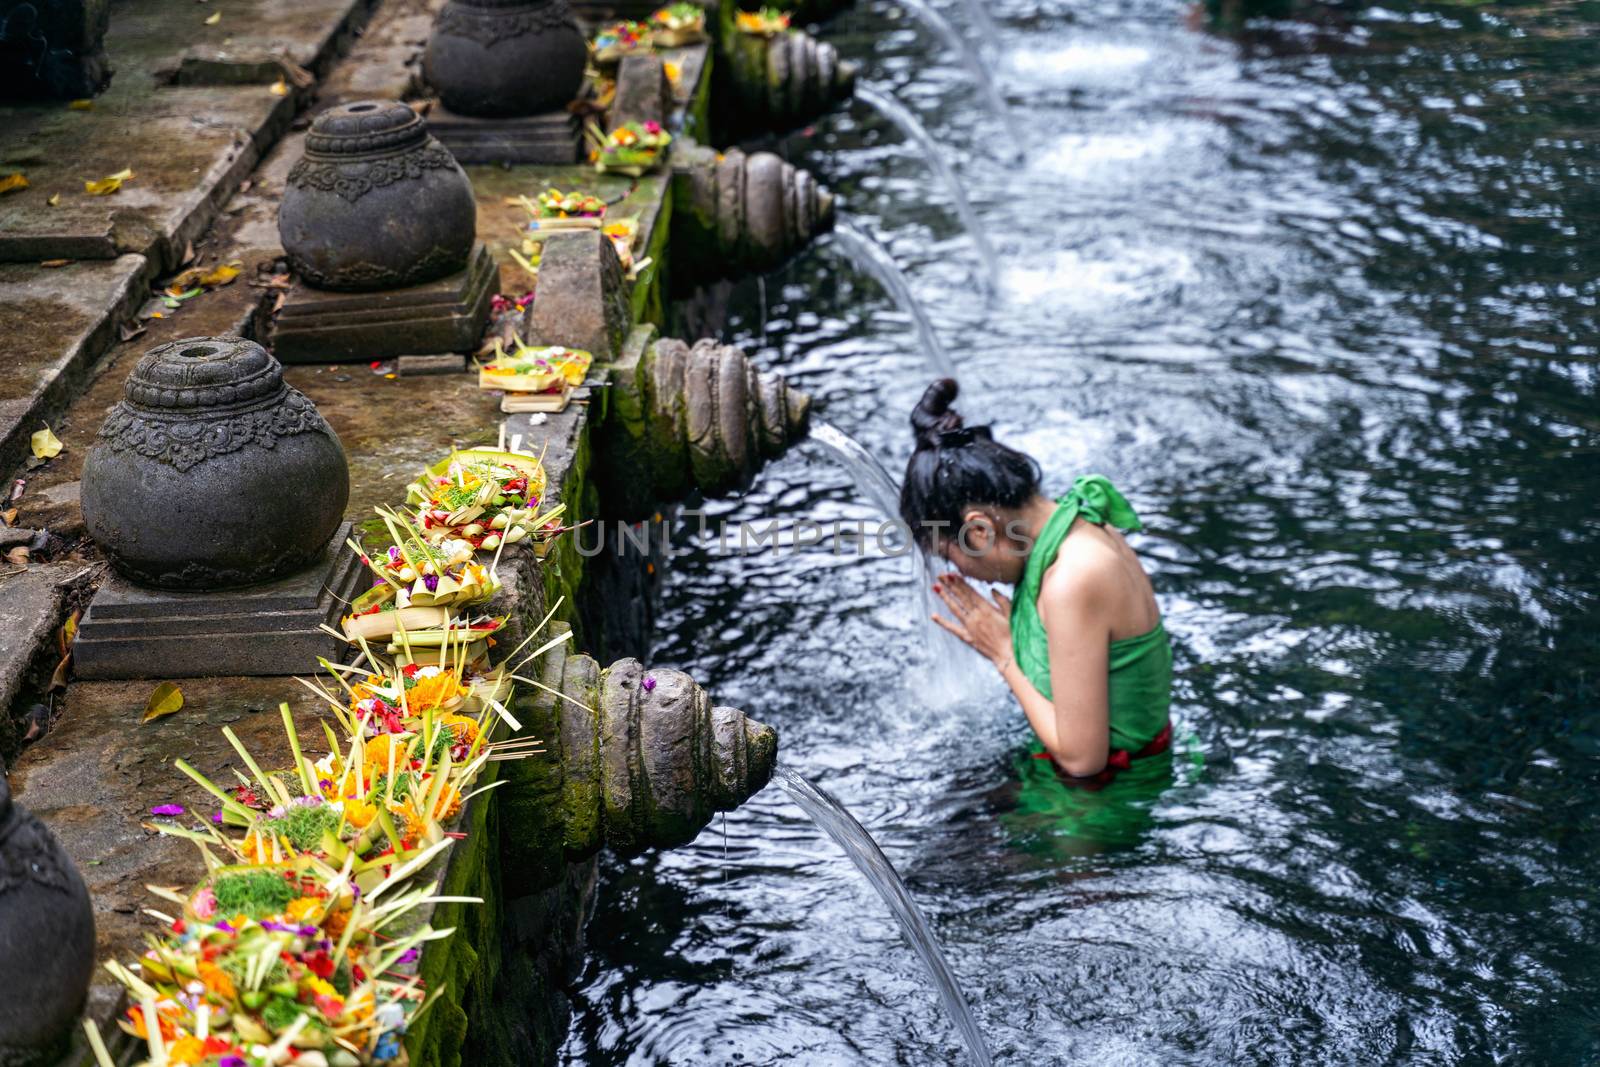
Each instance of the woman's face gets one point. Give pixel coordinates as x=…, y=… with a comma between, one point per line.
x=980, y=552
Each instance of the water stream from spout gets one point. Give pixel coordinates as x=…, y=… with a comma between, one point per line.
x=938, y=158
x=948, y=671
x=872, y=258
x=974, y=63
x=832, y=819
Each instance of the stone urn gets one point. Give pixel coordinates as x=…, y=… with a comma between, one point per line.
x=375, y=202
x=212, y=472
x=503, y=58
x=46, y=939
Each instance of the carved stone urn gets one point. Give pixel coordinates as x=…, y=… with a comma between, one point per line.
x=213, y=472
x=498, y=58
x=375, y=203
x=46, y=939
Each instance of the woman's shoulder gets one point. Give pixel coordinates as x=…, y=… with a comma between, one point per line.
x=1084, y=568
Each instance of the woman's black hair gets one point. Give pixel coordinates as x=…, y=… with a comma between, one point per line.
x=956, y=467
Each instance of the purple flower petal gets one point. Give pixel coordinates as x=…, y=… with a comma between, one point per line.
x=431, y=581
x=648, y=684
x=216, y=817
x=167, y=809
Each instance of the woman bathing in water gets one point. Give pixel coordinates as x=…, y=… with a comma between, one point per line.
x=1082, y=644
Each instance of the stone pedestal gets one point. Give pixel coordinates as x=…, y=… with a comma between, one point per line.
x=447, y=315
x=132, y=631
x=552, y=139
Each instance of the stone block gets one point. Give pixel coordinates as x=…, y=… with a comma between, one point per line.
x=131, y=631
x=417, y=366
x=551, y=139
x=448, y=315
x=581, y=301
x=643, y=92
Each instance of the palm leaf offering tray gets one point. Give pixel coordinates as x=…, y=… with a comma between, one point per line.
x=486, y=497
x=768, y=22
x=555, y=210
x=300, y=943
x=616, y=40
x=546, y=373
x=633, y=148
x=677, y=25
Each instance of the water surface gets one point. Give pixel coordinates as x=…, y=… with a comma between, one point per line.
x=1323, y=303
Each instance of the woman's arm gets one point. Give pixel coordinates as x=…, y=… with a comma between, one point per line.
x=1075, y=728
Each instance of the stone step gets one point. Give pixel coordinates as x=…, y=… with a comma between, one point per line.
x=54, y=324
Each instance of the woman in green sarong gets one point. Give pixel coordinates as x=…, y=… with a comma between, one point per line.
x=1081, y=645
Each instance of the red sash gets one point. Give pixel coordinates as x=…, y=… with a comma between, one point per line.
x=1118, y=761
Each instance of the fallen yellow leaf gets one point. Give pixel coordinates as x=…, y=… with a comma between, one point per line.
x=55, y=198
x=221, y=274
x=54, y=262
x=123, y=175
x=214, y=19
x=166, y=700
x=13, y=182
x=279, y=88
x=81, y=105
x=46, y=445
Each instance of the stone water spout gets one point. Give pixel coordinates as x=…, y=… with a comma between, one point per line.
x=785, y=81
x=740, y=214
x=687, y=417
x=656, y=759
x=46, y=938
x=634, y=758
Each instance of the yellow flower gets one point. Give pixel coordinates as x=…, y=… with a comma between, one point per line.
x=359, y=813
x=319, y=987
x=188, y=1049
x=302, y=909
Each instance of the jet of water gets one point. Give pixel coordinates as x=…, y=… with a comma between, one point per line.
x=974, y=63
x=938, y=159
x=871, y=257
x=832, y=818
x=949, y=673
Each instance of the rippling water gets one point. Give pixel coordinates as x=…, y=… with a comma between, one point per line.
x=1323, y=303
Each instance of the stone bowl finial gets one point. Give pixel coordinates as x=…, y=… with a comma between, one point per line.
x=212, y=472
x=504, y=58
x=375, y=202
x=46, y=939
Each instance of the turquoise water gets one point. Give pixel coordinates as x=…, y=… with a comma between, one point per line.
x=1322, y=301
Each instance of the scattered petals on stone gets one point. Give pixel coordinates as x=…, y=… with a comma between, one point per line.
x=648, y=684
x=13, y=182
x=167, y=809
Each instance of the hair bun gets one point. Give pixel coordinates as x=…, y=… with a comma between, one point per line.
x=933, y=415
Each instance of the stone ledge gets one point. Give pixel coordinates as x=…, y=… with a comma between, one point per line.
x=54, y=325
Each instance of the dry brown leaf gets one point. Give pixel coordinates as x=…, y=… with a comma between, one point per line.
x=166, y=700
x=55, y=198
x=13, y=182
x=9, y=516
x=18, y=557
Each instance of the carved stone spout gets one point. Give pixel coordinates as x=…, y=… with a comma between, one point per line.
x=655, y=761
x=784, y=81
x=684, y=418
x=741, y=214
x=633, y=759
x=46, y=938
